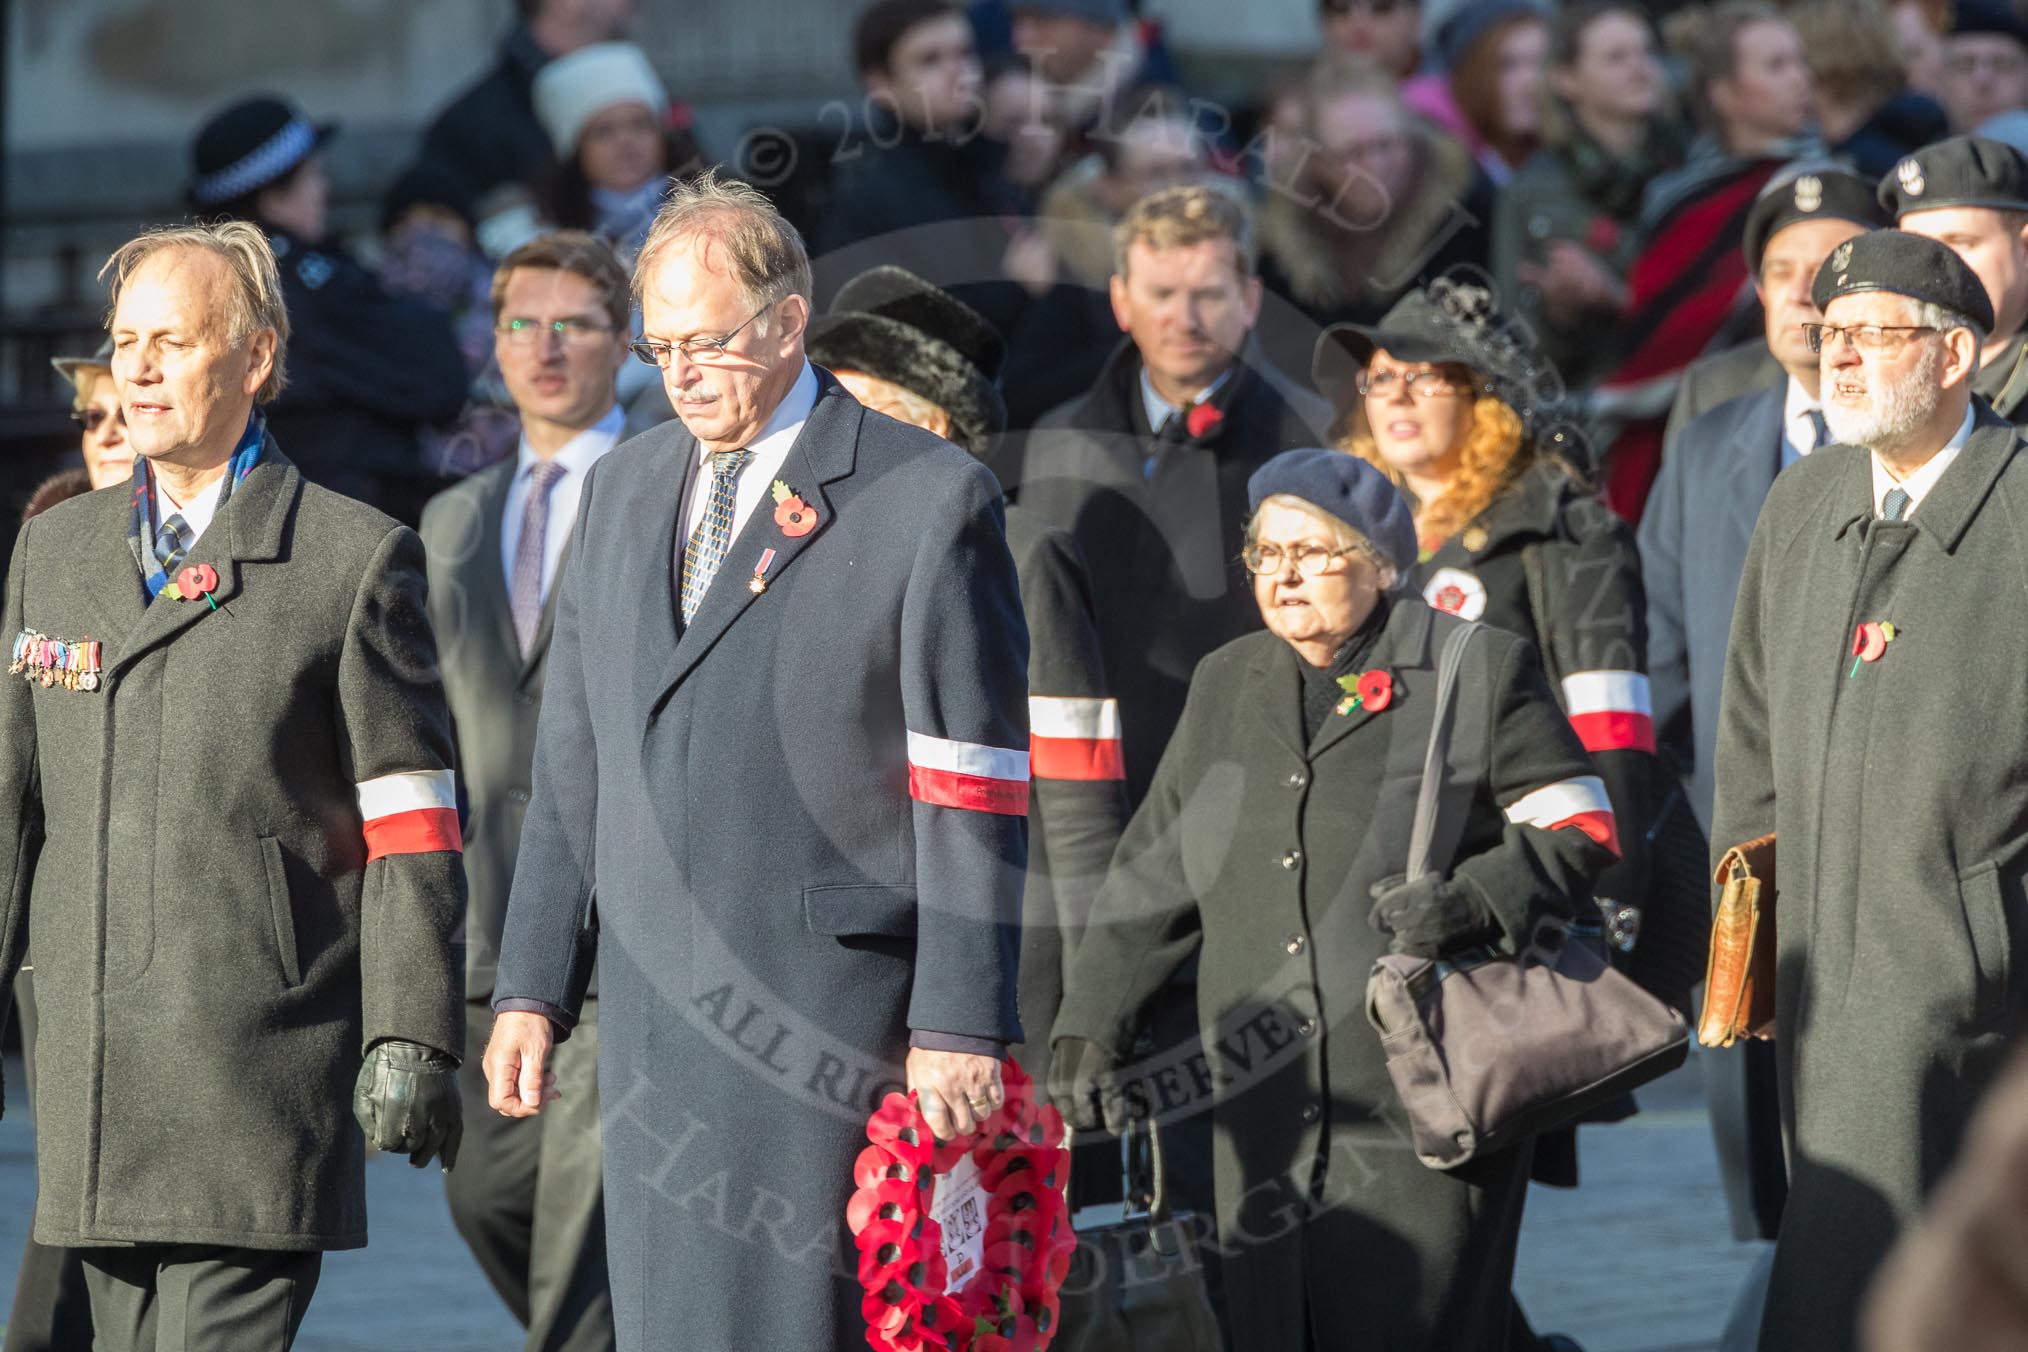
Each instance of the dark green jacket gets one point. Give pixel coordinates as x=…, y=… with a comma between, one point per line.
x=1258, y=852
x=218, y=930
x=1898, y=795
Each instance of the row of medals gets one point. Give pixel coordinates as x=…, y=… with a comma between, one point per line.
x=53, y=661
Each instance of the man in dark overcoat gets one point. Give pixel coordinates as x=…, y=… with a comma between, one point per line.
x=1971, y=193
x=781, y=790
x=1693, y=540
x=231, y=838
x=528, y=1195
x=1868, y=721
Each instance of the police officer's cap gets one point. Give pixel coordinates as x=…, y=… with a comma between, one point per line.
x=1809, y=192
x=1965, y=171
x=1343, y=485
x=1904, y=265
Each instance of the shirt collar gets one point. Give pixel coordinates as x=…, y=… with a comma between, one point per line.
x=788, y=418
x=1160, y=410
x=1918, y=484
x=582, y=451
x=1796, y=407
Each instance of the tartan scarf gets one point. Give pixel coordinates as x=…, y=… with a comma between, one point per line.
x=142, y=522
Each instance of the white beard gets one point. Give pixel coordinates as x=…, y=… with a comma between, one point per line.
x=1891, y=414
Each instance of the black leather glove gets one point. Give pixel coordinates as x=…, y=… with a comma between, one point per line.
x=407, y=1102
x=1430, y=916
x=1080, y=1082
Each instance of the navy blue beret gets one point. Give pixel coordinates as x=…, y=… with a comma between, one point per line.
x=1343, y=485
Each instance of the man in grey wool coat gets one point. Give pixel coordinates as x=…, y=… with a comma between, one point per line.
x=1872, y=719
x=227, y=833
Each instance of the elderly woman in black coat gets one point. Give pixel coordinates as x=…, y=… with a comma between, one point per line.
x=1271, y=847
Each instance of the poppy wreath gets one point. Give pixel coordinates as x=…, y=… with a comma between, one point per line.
x=1011, y=1303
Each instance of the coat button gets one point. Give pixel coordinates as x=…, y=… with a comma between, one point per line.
x=1291, y=859
x=1296, y=943
x=517, y=795
x=1311, y=1112
x=1296, y=779
x=1306, y=1028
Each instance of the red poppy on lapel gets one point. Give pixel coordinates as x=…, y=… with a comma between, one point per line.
x=1376, y=690
x=796, y=517
x=1203, y=419
x=199, y=579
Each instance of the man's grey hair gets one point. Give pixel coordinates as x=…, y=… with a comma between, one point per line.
x=1933, y=316
x=763, y=252
x=256, y=301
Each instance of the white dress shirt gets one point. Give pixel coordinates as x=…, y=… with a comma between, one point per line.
x=577, y=456
x=770, y=452
x=1918, y=484
x=1160, y=410
x=1799, y=430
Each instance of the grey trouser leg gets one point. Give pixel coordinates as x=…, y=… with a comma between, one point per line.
x=198, y=1297
x=528, y=1196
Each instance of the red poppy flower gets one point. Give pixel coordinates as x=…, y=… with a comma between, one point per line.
x=898, y=1127
x=1052, y=1125
x=893, y=1199
x=1376, y=690
x=796, y=517
x=197, y=580
x=1203, y=419
x=1869, y=642
x=876, y=1165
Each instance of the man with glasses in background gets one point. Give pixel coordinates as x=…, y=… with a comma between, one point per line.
x=1872, y=720
x=529, y=1200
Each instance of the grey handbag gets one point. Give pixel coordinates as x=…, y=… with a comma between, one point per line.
x=1488, y=1049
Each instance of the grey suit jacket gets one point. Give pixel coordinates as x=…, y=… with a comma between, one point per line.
x=1693, y=541
x=1717, y=378
x=494, y=692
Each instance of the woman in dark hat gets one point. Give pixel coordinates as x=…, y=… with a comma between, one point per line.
x=1451, y=404
x=1271, y=848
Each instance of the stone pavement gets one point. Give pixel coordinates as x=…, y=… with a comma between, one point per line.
x=1639, y=1259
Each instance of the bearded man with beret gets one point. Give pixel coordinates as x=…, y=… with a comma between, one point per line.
x=1871, y=720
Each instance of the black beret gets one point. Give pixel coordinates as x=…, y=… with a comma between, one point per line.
x=1812, y=192
x=1965, y=171
x=1906, y=265
x=1343, y=485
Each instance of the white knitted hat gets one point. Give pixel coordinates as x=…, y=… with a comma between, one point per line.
x=572, y=90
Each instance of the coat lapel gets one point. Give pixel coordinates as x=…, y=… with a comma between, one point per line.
x=491, y=598
x=545, y=623
x=1756, y=448
x=107, y=578
x=1395, y=647
x=247, y=529
x=1275, y=693
x=823, y=453
x=1947, y=510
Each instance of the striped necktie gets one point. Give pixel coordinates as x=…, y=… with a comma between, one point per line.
x=1894, y=505
x=531, y=550
x=172, y=543
x=1819, y=428
x=713, y=536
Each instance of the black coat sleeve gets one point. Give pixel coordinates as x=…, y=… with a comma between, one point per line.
x=20, y=786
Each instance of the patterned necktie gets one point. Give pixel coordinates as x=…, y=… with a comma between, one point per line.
x=1895, y=505
x=171, y=544
x=1821, y=428
x=707, y=546
x=530, y=550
